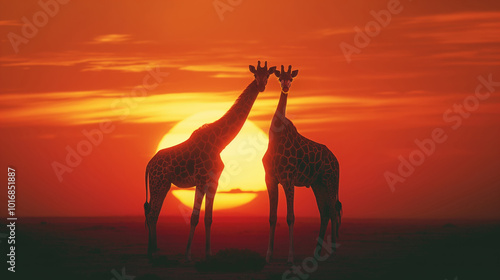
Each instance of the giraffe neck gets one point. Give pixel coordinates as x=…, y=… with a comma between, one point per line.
x=282, y=104
x=278, y=122
x=230, y=124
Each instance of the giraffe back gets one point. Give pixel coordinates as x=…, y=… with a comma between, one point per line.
x=297, y=160
x=190, y=163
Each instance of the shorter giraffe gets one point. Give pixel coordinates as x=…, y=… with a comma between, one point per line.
x=293, y=160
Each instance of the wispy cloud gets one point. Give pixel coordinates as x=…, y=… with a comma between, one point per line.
x=89, y=61
x=454, y=17
x=456, y=28
x=214, y=68
x=112, y=38
x=123, y=64
x=230, y=75
x=10, y=23
x=82, y=107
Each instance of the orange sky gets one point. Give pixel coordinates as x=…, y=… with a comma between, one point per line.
x=90, y=55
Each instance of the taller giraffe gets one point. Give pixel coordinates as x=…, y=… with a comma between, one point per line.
x=293, y=160
x=197, y=162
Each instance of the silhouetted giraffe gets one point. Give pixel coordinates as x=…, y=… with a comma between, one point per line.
x=293, y=160
x=197, y=162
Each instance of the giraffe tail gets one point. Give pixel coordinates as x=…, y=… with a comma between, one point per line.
x=338, y=208
x=147, y=206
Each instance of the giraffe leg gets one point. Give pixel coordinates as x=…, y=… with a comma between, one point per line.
x=272, y=190
x=290, y=218
x=335, y=212
x=209, y=205
x=158, y=192
x=195, y=216
x=333, y=235
x=321, y=201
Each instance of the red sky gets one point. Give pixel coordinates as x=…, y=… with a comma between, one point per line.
x=395, y=90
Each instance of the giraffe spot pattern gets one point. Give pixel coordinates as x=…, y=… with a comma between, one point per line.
x=293, y=159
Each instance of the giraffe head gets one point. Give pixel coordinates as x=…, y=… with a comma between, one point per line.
x=261, y=75
x=286, y=78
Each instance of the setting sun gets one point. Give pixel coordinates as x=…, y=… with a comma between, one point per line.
x=243, y=173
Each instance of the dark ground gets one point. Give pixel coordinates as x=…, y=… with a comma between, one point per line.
x=99, y=248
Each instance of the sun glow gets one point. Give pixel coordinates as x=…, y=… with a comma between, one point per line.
x=243, y=173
